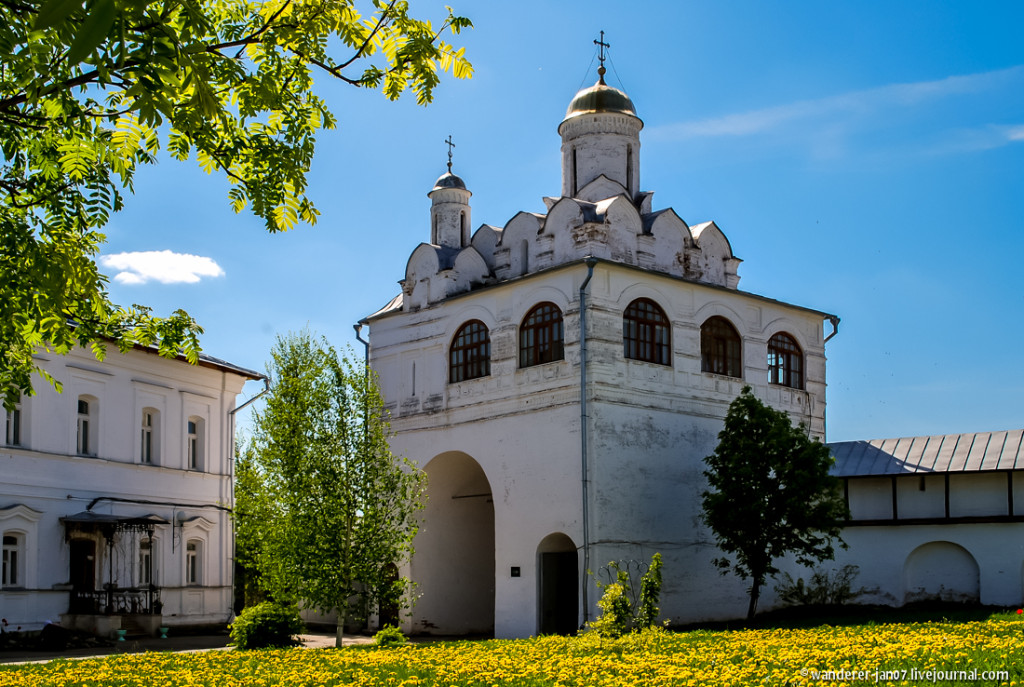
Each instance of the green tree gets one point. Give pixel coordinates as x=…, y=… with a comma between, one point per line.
x=770, y=494
x=91, y=89
x=323, y=509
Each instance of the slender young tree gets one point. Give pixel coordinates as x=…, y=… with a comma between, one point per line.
x=323, y=509
x=770, y=494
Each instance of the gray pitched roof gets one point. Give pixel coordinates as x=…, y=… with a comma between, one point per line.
x=977, y=452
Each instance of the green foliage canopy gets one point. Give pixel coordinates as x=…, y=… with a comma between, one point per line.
x=91, y=89
x=323, y=510
x=770, y=494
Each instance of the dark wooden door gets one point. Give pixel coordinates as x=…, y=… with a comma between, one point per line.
x=559, y=593
x=83, y=565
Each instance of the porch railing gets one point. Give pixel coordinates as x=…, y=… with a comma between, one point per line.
x=116, y=601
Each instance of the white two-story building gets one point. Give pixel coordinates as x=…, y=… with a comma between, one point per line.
x=115, y=494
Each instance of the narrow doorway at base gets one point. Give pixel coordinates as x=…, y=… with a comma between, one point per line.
x=558, y=579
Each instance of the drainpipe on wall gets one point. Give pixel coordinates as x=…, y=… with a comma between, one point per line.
x=834, y=320
x=231, y=479
x=585, y=433
x=366, y=372
x=366, y=346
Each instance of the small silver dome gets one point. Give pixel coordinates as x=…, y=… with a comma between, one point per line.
x=449, y=180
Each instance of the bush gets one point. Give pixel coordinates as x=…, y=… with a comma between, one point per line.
x=268, y=624
x=621, y=614
x=389, y=635
x=823, y=589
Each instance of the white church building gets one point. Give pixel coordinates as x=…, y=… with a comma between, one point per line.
x=560, y=380
x=115, y=495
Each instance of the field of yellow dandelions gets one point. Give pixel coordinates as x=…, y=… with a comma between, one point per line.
x=989, y=652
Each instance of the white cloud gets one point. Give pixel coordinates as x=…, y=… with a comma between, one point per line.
x=977, y=139
x=826, y=111
x=164, y=266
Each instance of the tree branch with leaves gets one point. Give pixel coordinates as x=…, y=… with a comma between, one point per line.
x=91, y=89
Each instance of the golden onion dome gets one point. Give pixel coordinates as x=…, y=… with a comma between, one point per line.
x=600, y=98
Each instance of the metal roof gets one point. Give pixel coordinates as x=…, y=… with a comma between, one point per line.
x=977, y=452
x=88, y=517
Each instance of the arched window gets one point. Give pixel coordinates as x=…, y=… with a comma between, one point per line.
x=646, y=334
x=470, y=353
x=541, y=336
x=720, y=347
x=785, y=361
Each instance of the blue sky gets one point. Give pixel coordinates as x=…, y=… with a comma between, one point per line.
x=864, y=158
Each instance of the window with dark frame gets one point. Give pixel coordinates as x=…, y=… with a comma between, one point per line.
x=720, y=348
x=785, y=361
x=646, y=333
x=541, y=336
x=470, y=354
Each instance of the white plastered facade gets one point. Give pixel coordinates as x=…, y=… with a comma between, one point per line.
x=512, y=495
x=56, y=476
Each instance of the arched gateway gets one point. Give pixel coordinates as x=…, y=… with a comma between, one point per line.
x=454, y=561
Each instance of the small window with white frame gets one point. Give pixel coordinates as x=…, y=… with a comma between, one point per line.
x=194, y=562
x=147, y=565
x=12, y=434
x=194, y=443
x=13, y=555
x=149, y=448
x=85, y=442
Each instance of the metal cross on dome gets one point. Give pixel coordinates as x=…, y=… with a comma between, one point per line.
x=602, y=45
x=600, y=55
x=450, y=146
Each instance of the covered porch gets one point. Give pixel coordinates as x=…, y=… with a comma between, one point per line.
x=111, y=580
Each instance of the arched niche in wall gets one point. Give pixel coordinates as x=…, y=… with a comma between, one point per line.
x=943, y=571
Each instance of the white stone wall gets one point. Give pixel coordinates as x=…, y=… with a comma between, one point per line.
x=45, y=479
x=600, y=144
x=650, y=428
x=900, y=564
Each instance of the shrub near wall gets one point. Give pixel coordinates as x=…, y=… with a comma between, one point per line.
x=266, y=625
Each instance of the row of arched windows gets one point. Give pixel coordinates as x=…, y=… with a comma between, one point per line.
x=646, y=336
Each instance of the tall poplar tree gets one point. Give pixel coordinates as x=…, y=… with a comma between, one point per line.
x=324, y=511
x=770, y=494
